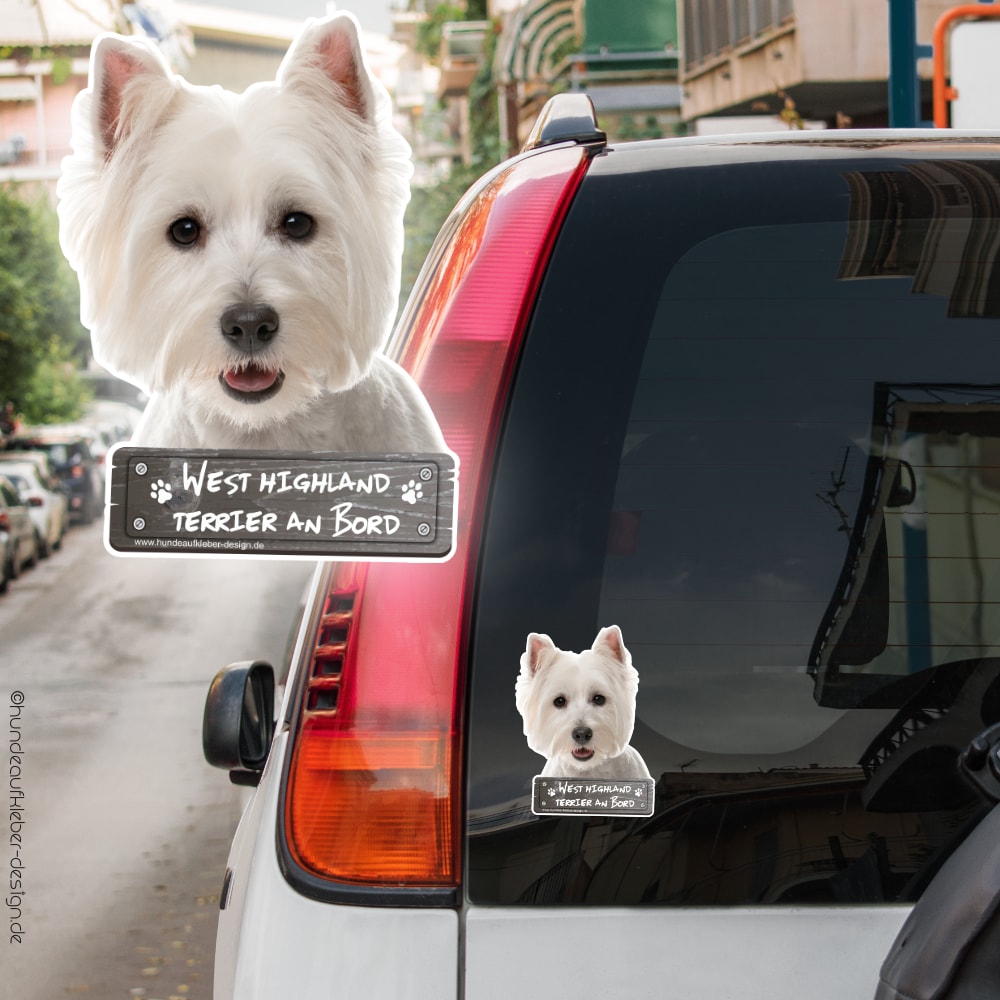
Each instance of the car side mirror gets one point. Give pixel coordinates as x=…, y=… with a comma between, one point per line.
x=947, y=949
x=238, y=724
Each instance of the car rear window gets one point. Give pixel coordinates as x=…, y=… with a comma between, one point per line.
x=756, y=426
x=11, y=498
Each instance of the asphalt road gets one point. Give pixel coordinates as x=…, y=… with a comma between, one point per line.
x=105, y=663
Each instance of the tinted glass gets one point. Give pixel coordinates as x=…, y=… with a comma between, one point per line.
x=757, y=426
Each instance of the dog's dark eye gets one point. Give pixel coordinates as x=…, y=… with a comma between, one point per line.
x=559, y=702
x=297, y=225
x=598, y=699
x=185, y=232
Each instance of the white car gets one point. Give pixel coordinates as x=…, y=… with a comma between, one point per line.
x=118, y=420
x=738, y=397
x=46, y=502
x=18, y=544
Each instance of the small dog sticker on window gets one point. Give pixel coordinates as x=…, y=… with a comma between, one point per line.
x=579, y=713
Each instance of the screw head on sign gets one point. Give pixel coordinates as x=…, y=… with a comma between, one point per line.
x=423, y=529
x=139, y=523
x=426, y=474
x=141, y=469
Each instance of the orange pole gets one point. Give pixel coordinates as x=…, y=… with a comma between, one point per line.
x=942, y=92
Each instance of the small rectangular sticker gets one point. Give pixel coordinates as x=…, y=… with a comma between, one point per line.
x=579, y=797
x=313, y=504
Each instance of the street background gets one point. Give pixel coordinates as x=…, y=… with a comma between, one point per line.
x=126, y=828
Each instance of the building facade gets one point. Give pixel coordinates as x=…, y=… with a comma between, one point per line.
x=824, y=61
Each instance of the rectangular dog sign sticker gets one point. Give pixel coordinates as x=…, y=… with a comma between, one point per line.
x=312, y=504
x=586, y=797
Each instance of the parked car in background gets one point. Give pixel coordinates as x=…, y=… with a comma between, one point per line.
x=736, y=395
x=41, y=462
x=99, y=437
x=117, y=420
x=17, y=534
x=46, y=502
x=69, y=449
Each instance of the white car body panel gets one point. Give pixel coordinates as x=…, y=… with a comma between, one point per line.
x=773, y=953
x=49, y=519
x=274, y=942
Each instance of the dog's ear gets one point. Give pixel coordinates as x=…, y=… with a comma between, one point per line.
x=538, y=650
x=114, y=63
x=333, y=46
x=609, y=641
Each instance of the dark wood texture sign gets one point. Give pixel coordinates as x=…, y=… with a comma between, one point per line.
x=591, y=797
x=313, y=504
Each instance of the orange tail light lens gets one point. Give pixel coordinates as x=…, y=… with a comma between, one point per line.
x=379, y=804
x=374, y=786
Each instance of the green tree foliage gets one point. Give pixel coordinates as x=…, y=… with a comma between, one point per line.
x=429, y=32
x=55, y=393
x=484, y=109
x=42, y=342
x=628, y=129
x=430, y=206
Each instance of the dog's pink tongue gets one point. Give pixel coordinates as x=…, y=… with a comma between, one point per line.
x=250, y=379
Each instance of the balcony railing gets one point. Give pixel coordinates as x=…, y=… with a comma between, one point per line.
x=33, y=157
x=463, y=47
x=713, y=28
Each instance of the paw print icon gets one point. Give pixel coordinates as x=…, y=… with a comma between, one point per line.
x=160, y=491
x=412, y=491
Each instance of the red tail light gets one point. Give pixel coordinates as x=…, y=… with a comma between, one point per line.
x=4, y=521
x=373, y=793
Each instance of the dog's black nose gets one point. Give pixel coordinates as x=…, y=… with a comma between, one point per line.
x=249, y=325
x=582, y=735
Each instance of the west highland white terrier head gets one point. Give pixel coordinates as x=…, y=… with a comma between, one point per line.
x=579, y=708
x=246, y=247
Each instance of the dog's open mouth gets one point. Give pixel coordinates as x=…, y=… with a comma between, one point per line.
x=252, y=384
x=583, y=753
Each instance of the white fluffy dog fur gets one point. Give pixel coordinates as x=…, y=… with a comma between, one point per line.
x=579, y=708
x=239, y=255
